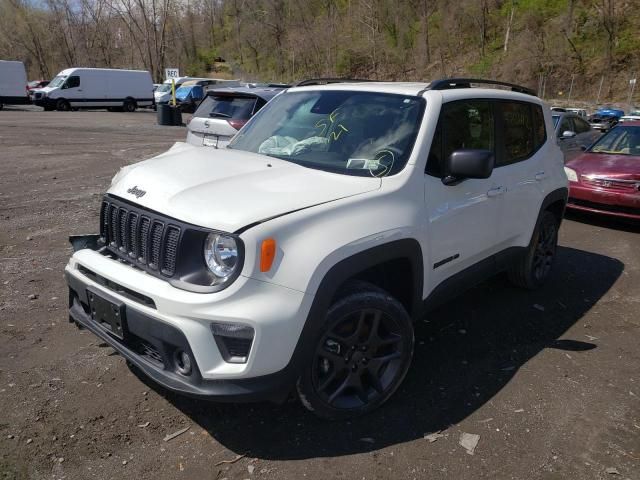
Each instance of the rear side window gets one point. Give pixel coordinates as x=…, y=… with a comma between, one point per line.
x=518, y=132
x=226, y=106
x=581, y=126
x=465, y=124
x=539, y=128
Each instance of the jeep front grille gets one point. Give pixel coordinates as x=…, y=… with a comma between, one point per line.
x=140, y=236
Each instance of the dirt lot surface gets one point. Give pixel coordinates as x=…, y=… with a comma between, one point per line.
x=549, y=380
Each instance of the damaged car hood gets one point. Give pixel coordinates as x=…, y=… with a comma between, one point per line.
x=227, y=189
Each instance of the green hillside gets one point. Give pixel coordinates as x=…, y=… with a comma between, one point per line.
x=540, y=43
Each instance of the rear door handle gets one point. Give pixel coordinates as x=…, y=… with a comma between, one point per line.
x=494, y=192
x=540, y=176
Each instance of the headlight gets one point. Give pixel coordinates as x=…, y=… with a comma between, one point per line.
x=221, y=256
x=571, y=174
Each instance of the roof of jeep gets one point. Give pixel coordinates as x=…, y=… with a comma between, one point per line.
x=415, y=88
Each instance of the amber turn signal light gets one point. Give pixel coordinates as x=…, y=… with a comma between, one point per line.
x=267, y=254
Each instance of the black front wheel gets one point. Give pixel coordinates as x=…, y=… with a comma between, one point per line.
x=361, y=357
x=62, y=105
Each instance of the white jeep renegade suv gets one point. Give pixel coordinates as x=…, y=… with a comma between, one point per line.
x=300, y=256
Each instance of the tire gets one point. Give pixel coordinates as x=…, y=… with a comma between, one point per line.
x=1, y=105
x=62, y=105
x=532, y=269
x=129, y=105
x=361, y=357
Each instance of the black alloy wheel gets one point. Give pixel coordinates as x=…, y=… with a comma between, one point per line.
x=362, y=356
x=533, y=268
x=545, y=250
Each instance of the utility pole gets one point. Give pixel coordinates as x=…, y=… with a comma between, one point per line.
x=600, y=90
x=632, y=87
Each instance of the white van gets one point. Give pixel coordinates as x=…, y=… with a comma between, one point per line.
x=13, y=83
x=97, y=88
x=162, y=94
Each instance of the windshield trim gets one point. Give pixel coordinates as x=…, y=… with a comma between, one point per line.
x=422, y=102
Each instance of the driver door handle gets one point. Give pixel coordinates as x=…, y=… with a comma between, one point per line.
x=540, y=176
x=494, y=192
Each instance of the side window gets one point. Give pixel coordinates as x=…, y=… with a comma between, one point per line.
x=581, y=125
x=565, y=125
x=72, y=82
x=518, y=132
x=464, y=124
x=260, y=102
x=539, y=129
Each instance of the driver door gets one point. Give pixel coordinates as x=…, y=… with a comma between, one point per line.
x=462, y=219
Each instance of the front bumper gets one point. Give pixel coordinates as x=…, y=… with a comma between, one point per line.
x=162, y=320
x=604, y=202
x=44, y=102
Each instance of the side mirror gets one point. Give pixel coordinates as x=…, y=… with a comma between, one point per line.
x=568, y=134
x=468, y=163
x=583, y=148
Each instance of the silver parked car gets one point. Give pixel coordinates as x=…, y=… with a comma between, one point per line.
x=225, y=111
x=574, y=134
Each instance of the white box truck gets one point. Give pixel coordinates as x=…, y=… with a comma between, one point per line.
x=13, y=83
x=112, y=89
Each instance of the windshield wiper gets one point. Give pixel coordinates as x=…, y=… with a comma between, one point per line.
x=219, y=114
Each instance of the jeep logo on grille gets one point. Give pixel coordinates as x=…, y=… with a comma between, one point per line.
x=136, y=191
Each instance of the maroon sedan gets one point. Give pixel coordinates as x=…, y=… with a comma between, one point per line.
x=605, y=179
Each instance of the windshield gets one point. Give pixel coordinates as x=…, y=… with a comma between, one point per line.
x=165, y=87
x=58, y=81
x=347, y=132
x=226, y=106
x=619, y=141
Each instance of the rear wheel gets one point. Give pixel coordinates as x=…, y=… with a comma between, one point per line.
x=361, y=357
x=62, y=105
x=533, y=269
x=129, y=105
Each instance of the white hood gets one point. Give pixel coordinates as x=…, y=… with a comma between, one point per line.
x=229, y=189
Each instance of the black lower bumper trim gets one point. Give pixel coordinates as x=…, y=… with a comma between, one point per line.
x=150, y=345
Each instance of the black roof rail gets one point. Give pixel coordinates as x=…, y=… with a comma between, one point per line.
x=327, y=81
x=450, y=83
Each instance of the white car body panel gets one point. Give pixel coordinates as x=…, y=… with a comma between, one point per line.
x=181, y=185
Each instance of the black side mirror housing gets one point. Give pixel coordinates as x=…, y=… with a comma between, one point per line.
x=468, y=163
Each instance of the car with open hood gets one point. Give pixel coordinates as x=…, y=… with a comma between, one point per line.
x=298, y=259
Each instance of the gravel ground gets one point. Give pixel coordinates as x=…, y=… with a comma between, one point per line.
x=548, y=380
